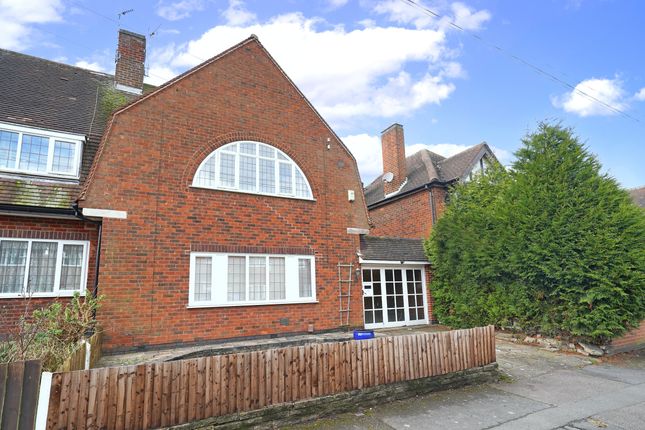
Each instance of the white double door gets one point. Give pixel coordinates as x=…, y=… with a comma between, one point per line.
x=394, y=297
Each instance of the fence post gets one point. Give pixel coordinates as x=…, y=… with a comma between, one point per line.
x=43, y=401
x=88, y=354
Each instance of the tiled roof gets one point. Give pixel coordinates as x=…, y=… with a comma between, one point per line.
x=638, y=195
x=45, y=94
x=392, y=249
x=426, y=166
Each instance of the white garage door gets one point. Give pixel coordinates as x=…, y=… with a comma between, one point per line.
x=394, y=297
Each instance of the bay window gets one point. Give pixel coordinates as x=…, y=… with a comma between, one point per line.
x=42, y=268
x=218, y=279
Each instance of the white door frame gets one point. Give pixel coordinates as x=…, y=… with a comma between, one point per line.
x=403, y=268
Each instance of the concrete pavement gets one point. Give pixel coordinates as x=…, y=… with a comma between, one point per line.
x=540, y=390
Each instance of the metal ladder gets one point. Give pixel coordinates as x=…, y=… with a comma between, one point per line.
x=345, y=297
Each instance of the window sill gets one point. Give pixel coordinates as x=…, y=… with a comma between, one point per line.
x=231, y=190
x=41, y=295
x=237, y=305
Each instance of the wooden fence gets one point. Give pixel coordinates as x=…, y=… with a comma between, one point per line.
x=19, y=383
x=76, y=361
x=156, y=395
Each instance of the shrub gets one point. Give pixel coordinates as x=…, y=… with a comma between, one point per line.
x=553, y=245
x=52, y=333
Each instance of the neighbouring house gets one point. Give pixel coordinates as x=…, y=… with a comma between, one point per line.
x=410, y=195
x=638, y=196
x=51, y=119
x=221, y=205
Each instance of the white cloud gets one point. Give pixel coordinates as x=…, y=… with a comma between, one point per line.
x=458, y=13
x=337, y=3
x=367, y=151
x=17, y=18
x=402, y=13
x=179, y=10
x=468, y=19
x=609, y=91
x=237, y=15
x=90, y=65
x=640, y=96
x=336, y=67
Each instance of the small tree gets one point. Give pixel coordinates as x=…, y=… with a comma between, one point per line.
x=551, y=246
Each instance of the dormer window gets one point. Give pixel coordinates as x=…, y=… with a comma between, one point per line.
x=252, y=167
x=39, y=152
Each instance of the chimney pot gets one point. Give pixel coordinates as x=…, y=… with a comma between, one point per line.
x=393, y=147
x=130, y=62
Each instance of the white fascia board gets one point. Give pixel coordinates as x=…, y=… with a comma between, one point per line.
x=105, y=213
x=393, y=262
x=355, y=230
x=19, y=128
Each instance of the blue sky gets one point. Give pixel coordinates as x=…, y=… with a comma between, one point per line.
x=368, y=63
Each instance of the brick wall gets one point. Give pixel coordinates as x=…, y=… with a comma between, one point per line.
x=41, y=228
x=410, y=216
x=147, y=164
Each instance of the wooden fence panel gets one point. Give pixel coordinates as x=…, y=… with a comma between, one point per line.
x=157, y=395
x=19, y=388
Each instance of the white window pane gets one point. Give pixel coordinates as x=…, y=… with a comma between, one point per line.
x=277, y=289
x=257, y=278
x=8, y=149
x=281, y=156
x=13, y=257
x=247, y=173
x=42, y=267
x=236, y=279
x=33, y=153
x=231, y=147
x=247, y=148
x=267, y=176
x=64, y=157
x=285, y=178
x=302, y=189
x=206, y=174
x=304, y=277
x=227, y=170
x=203, y=279
x=72, y=267
x=267, y=151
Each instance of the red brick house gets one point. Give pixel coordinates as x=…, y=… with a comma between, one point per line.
x=410, y=195
x=226, y=207
x=51, y=119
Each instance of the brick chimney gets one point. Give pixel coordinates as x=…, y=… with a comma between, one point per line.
x=393, y=147
x=130, y=60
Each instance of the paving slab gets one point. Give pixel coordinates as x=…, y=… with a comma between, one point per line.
x=614, y=373
x=464, y=409
x=562, y=386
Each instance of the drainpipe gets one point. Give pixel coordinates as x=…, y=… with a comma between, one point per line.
x=78, y=214
x=432, y=209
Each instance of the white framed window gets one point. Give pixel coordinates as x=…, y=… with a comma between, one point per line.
x=42, y=268
x=218, y=279
x=39, y=152
x=252, y=167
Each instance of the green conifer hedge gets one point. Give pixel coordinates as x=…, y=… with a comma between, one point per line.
x=552, y=246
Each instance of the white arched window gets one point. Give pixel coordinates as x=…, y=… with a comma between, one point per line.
x=252, y=167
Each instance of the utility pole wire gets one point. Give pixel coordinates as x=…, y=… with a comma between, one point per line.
x=524, y=62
